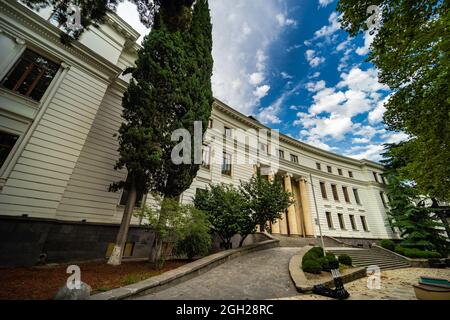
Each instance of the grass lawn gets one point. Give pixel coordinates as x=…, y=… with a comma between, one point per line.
x=43, y=282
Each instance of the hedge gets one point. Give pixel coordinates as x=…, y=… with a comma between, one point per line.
x=416, y=253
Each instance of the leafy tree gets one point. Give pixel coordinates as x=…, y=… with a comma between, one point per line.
x=181, y=226
x=265, y=201
x=226, y=209
x=169, y=90
x=410, y=50
x=418, y=225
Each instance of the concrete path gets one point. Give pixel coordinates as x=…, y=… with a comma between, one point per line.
x=258, y=275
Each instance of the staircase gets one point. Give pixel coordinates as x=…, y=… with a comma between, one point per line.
x=373, y=256
x=289, y=241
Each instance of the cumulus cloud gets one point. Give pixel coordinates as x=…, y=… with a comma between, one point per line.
x=261, y=91
x=333, y=26
x=368, y=40
x=283, y=21
x=313, y=59
x=286, y=75
x=376, y=115
x=242, y=34
x=324, y=3
x=315, y=86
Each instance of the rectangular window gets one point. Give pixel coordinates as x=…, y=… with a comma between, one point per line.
x=356, y=194
x=383, y=200
x=341, y=221
x=31, y=75
x=353, y=223
x=350, y=174
x=323, y=190
x=329, y=169
x=206, y=157
x=364, y=224
x=210, y=123
x=318, y=166
x=346, y=197
x=329, y=220
x=340, y=172
x=383, y=180
x=262, y=147
x=281, y=154
x=7, y=142
x=226, y=164
x=228, y=132
x=335, y=193
x=375, y=176
x=294, y=158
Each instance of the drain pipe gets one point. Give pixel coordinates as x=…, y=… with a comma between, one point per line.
x=317, y=213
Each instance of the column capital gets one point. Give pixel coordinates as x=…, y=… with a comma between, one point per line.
x=288, y=175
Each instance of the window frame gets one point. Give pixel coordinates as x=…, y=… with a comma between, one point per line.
x=318, y=166
x=350, y=174
x=206, y=164
x=340, y=172
x=353, y=222
x=346, y=195
x=13, y=149
x=356, y=195
x=364, y=223
x=294, y=158
x=341, y=221
x=329, y=218
x=323, y=190
x=335, y=192
x=228, y=172
x=226, y=131
x=280, y=154
x=27, y=72
x=329, y=169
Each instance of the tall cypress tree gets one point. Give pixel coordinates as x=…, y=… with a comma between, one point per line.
x=171, y=88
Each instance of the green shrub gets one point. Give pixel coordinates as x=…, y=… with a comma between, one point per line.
x=313, y=254
x=324, y=263
x=333, y=263
x=416, y=253
x=388, y=244
x=311, y=266
x=345, y=259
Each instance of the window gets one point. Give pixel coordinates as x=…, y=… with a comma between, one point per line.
x=375, y=176
x=226, y=165
x=199, y=192
x=210, y=123
x=383, y=199
x=31, y=75
x=364, y=223
x=350, y=174
x=7, y=142
x=356, y=194
x=206, y=157
x=353, y=223
x=329, y=169
x=335, y=193
x=124, y=197
x=340, y=172
x=228, y=132
x=281, y=154
x=329, y=220
x=318, y=166
x=294, y=158
x=346, y=197
x=323, y=190
x=341, y=221
x=262, y=147
x=383, y=180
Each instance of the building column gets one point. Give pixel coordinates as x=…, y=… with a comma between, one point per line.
x=307, y=216
x=292, y=219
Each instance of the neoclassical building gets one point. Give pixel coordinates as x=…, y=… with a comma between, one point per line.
x=59, y=108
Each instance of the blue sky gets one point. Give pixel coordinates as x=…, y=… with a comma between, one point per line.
x=288, y=63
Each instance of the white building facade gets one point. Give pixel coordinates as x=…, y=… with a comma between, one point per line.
x=60, y=107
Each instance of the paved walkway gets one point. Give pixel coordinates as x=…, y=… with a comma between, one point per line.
x=258, y=275
x=395, y=285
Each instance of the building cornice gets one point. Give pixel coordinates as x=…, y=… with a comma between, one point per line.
x=50, y=33
x=298, y=144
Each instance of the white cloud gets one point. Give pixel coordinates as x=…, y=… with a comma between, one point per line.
x=313, y=59
x=368, y=39
x=331, y=28
x=324, y=3
x=315, y=86
x=370, y=152
x=358, y=79
x=261, y=91
x=360, y=140
x=315, y=75
x=318, y=128
x=286, y=75
x=283, y=21
x=256, y=78
x=240, y=67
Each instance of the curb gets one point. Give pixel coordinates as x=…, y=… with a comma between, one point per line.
x=182, y=273
x=304, y=286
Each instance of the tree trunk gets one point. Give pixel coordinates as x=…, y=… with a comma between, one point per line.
x=241, y=242
x=116, y=256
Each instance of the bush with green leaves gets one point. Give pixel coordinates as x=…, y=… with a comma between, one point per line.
x=416, y=253
x=333, y=262
x=195, y=239
x=312, y=266
x=345, y=259
x=388, y=244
